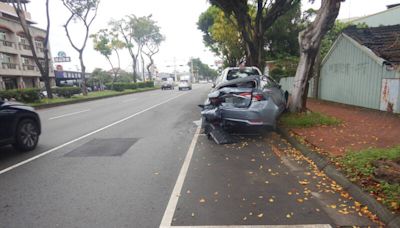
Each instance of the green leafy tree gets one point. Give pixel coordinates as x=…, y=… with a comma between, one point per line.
x=136, y=32
x=254, y=18
x=201, y=69
x=83, y=11
x=99, y=78
x=151, y=48
x=221, y=35
x=281, y=39
x=106, y=43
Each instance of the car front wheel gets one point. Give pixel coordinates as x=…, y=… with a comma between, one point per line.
x=26, y=135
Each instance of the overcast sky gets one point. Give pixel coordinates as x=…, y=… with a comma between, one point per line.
x=177, y=19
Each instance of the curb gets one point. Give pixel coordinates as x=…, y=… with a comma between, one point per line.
x=44, y=106
x=390, y=219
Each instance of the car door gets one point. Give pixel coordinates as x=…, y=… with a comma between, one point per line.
x=7, y=116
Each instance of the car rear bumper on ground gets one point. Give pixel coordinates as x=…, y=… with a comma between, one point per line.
x=257, y=114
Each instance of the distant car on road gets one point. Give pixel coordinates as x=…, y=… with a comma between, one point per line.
x=185, y=84
x=167, y=83
x=20, y=126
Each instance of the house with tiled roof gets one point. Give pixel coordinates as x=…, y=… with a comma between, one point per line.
x=363, y=68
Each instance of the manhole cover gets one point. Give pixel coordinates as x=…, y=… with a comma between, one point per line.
x=103, y=147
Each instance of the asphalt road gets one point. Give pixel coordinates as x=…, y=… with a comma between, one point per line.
x=71, y=188
x=140, y=160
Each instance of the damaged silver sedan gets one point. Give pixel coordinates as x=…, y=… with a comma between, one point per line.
x=250, y=101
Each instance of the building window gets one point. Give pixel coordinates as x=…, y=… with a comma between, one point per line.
x=3, y=35
x=39, y=45
x=25, y=60
x=5, y=58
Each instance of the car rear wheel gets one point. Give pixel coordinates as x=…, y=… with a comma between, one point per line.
x=26, y=135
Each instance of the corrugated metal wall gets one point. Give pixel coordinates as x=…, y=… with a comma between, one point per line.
x=287, y=84
x=351, y=76
x=388, y=17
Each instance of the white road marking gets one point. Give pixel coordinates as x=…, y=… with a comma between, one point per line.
x=84, y=136
x=258, y=226
x=173, y=200
x=68, y=114
x=128, y=100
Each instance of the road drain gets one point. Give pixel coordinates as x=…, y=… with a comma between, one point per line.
x=103, y=147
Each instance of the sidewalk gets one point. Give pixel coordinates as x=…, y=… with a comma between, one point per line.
x=361, y=128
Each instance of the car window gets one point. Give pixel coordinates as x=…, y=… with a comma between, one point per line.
x=184, y=81
x=268, y=82
x=241, y=73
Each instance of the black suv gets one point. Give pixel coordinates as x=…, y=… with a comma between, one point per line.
x=19, y=126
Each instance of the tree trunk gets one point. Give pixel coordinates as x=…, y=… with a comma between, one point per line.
x=44, y=70
x=148, y=68
x=83, y=72
x=309, y=42
x=143, y=75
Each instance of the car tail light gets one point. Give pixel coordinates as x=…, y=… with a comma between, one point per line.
x=246, y=95
x=257, y=97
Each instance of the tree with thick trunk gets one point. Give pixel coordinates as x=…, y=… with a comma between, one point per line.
x=85, y=11
x=252, y=29
x=43, y=66
x=309, y=42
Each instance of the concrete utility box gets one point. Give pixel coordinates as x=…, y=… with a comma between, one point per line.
x=390, y=94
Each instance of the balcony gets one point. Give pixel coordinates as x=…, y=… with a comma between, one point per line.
x=6, y=43
x=24, y=46
x=10, y=66
x=28, y=67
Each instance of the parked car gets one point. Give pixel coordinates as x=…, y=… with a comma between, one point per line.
x=167, y=83
x=20, y=126
x=241, y=98
x=184, y=84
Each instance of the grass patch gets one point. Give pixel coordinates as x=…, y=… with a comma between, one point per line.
x=307, y=119
x=90, y=96
x=358, y=167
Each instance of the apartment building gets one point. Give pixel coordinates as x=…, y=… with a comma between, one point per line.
x=18, y=68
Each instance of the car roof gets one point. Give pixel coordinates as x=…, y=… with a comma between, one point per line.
x=246, y=67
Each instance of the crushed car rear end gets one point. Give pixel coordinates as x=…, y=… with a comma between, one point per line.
x=243, y=101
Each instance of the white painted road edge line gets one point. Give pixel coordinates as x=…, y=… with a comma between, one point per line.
x=84, y=136
x=173, y=200
x=69, y=114
x=261, y=226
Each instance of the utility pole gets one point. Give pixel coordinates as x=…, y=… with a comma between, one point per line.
x=175, y=69
x=191, y=69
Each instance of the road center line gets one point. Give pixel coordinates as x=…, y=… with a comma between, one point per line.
x=84, y=136
x=69, y=114
x=173, y=200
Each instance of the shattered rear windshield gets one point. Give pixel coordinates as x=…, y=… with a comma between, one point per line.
x=241, y=73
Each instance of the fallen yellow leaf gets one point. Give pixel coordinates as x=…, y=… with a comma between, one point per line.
x=202, y=200
x=260, y=215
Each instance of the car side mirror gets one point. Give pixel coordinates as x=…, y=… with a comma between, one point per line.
x=213, y=85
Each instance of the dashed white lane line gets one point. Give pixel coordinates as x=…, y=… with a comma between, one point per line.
x=173, y=200
x=68, y=114
x=84, y=136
